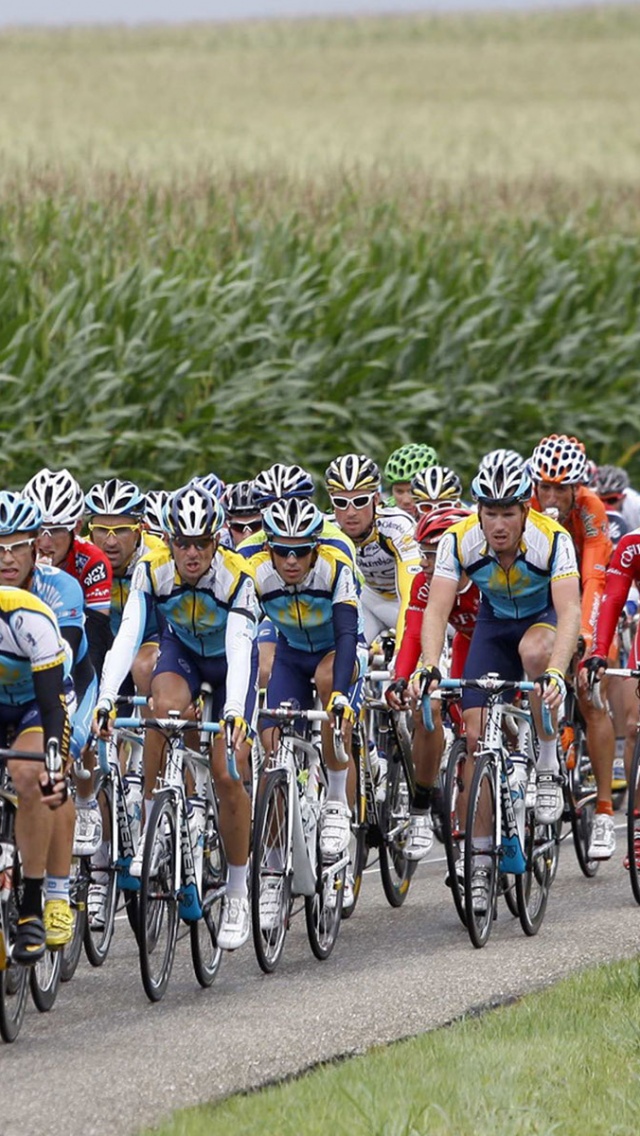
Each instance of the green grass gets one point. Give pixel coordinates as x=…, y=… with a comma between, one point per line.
x=525, y=97
x=563, y=1061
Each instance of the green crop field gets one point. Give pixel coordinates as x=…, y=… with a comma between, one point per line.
x=226, y=245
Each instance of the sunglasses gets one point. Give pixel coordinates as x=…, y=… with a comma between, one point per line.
x=55, y=530
x=246, y=526
x=104, y=531
x=198, y=542
x=286, y=550
x=427, y=549
x=612, y=498
x=359, y=502
x=19, y=546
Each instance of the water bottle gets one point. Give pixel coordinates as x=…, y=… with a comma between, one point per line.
x=132, y=785
x=196, y=814
x=378, y=771
x=517, y=773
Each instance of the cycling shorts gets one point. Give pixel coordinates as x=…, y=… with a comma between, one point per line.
x=292, y=677
x=18, y=719
x=267, y=631
x=175, y=658
x=494, y=648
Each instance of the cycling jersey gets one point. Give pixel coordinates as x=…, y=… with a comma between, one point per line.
x=546, y=554
x=330, y=534
x=90, y=567
x=587, y=525
x=623, y=571
x=617, y=526
x=216, y=617
x=30, y=642
x=388, y=558
x=462, y=618
x=320, y=614
x=121, y=586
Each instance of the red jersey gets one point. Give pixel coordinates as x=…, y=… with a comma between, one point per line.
x=462, y=618
x=622, y=572
x=87, y=564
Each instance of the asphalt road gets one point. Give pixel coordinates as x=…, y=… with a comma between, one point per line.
x=106, y=1061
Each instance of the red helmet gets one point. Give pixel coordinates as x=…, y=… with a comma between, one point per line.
x=431, y=527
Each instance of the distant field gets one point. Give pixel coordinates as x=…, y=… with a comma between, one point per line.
x=509, y=98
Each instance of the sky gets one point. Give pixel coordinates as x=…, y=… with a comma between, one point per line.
x=60, y=12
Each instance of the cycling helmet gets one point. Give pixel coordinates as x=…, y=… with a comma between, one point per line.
x=510, y=456
x=408, y=460
x=286, y=519
x=431, y=527
x=58, y=497
x=560, y=459
x=212, y=483
x=352, y=471
x=611, y=481
x=18, y=514
x=192, y=511
x=436, y=484
x=240, y=500
x=501, y=480
x=154, y=504
x=120, y=498
x=281, y=483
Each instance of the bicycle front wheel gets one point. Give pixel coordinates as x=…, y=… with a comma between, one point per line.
x=78, y=900
x=270, y=877
x=395, y=870
x=44, y=979
x=581, y=801
x=14, y=980
x=206, y=955
x=453, y=821
x=534, y=884
x=158, y=901
x=481, y=817
x=633, y=821
x=99, y=928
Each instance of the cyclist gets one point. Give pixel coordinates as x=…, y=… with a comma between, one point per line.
x=34, y=668
x=610, y=483
x=308, y=590
x=428, y=746
x=623, y=572
x=243, y=513
x=436, y=487
x=558, y=467
x=61, y=503
x=209, y=614
x=19, y=524
x=387, y=555
x=524, y=565
x=153, y=516
x=403, y=464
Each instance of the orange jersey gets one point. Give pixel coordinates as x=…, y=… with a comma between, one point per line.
x=588, y=526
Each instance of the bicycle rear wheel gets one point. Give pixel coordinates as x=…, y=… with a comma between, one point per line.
x=395, y=870
x=533, y=885
x=78, y=900
x=270, y=875
x=14, y=979
x=633, y=821
x=158, y=901
x=44, y=980
x=453, y=821
x=98, y=936
x=581, y=803
x=206, y=955
x=482, y=803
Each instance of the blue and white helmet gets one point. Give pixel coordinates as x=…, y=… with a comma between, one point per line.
x=154, y=504
x=192, y=511
x=211, y=482
x=58, y=497
x=18, y=514
x=294, y=518
x=115, y=497
x=502, y=479
x=281, y=483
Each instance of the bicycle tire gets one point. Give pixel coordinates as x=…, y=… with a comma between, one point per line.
x=581, y=803
x=452, y=823
x=44, y=980
x=533, y=885
x=14, y=979
x=479, y=923
x=206, y=955
x=98, y=941
x=632, y=820
x=507, y=888
x=269, y=867
x=78, y=900
x=323, y=909
x=158, y=900
x=360, y=834
x=396, y=872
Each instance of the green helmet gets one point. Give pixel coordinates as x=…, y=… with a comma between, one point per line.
x=408, y=460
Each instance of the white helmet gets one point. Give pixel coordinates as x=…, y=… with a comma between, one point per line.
x=115, y=497
x=435, y=484
x=193, y=511
x=501, y=479
x=294, y=518
x=154, y=503
x=58, y=497
x=352, y=471
x=281, y=482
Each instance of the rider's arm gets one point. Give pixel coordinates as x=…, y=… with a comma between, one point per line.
x=621, y=573
x=442, y=595
x=126, y=644
x=565, y=596
x=240, y=635
x=595, y=556
x=99, y=635
x=53, y=707
x=409, y=652
x=345, y=629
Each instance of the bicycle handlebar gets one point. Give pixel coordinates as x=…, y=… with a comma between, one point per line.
x=290, y=714
x=493, y=685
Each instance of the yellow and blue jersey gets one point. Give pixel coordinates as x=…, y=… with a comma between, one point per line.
x=30, y=641
x=121, y=586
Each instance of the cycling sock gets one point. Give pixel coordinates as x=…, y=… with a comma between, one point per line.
x=237, y=880
x=548, y=757
x=86, y=802
x=604, y=807
x=422, y=798
x=31, y=897
x=337, y=785
x=57, y=887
